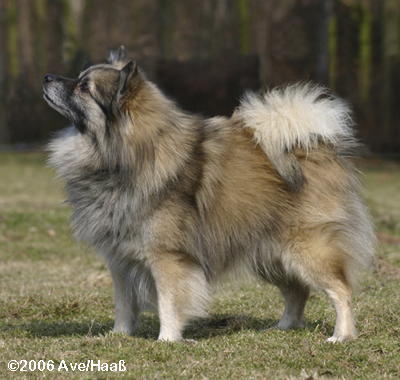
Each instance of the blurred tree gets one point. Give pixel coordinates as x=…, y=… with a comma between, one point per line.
x=4, y=133
x=39, y=26
x=333, y=50
x=391, y=82
x=166, y=28
x=11, y=31
x=351, y=44
x=73, y=11
x=244, y=26
x=25, y=43
x=365, y=51
x=322, y=66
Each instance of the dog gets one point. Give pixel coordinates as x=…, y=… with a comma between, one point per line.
x=175, y=202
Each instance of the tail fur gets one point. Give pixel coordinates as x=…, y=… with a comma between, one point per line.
x=297, y=116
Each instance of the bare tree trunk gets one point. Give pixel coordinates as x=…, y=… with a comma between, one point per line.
x=39, y=26
x=365, y=51
x=4, y=133
x=322, y=66
x=333, y=52
x=73, y=15
x=391, y=92
x=26, y=43
x=166, y=30
x=243, y=6
x=187, y=26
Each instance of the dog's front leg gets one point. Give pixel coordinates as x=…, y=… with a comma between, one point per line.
x=182, y=292
x=126, y=308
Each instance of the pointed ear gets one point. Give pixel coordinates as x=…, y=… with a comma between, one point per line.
x=125, y=75
x=118, y=55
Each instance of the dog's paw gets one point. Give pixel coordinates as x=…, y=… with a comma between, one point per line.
x=123, y=330
x=190, y=342
x=340, y=339
x=290, y=325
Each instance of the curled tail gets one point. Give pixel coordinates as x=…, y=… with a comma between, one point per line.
x=297, y=116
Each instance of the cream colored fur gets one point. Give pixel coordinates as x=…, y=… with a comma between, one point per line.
x=296, y=116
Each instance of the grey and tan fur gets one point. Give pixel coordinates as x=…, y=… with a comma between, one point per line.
x=174, y=201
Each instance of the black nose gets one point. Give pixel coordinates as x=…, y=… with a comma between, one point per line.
x=48, y=78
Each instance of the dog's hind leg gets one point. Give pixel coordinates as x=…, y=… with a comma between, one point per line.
x=326, y=267
x=182, y=292
x=333, y=276
x=295, y=296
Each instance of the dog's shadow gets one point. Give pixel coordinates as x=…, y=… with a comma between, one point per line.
x=222, y=325
x=39, y=329
x=201, y=329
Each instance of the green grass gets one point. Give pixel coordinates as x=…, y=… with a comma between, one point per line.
x=56, y=301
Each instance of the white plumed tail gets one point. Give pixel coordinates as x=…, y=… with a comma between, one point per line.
x=297, y=116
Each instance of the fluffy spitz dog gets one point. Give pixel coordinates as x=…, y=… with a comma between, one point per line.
x=174, y=201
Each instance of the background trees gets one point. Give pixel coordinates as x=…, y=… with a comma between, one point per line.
x=206, y=51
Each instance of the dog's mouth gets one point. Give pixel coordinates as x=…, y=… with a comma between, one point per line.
x=59, y=108
x=46, y=95
x=47, y=98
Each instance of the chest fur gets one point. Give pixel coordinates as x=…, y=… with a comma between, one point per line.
x=105, y=214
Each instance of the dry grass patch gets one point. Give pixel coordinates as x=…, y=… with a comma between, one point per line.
x=56, y=301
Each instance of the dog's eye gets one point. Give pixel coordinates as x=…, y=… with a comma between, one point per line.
x=84, y=87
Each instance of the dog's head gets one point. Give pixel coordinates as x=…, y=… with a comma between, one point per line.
x=119, y=119
x=99, y=96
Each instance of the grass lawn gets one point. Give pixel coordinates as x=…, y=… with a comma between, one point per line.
x=56, y=302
